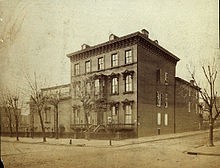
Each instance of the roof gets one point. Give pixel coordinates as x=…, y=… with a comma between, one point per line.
x=186, y=83
x=123, y=38
x=55, y=87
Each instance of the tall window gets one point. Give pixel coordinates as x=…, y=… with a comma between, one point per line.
x=166, y=78
x=158, y=118
x=128, y=114
x=88, y=66
x=88, y=87
x=100, y=63
x=189, y=106
x=158, y=99
x=47, y=116
x=114, y=114
x=128, y=83
x=128, y=57
x=115, y=85
x=166, y=119
x=97, y=86
x=77, y=90
x=76, y=114
x=189, y=91
x=76, y=69
x=158, y=75
x=166, y=101
x=114, y=60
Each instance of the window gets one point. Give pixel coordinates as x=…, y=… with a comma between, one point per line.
x=87, y=66
x=196, y=108
x=189, y=108
x=76, y=69
x=166, y=101
x=158, y=75
x=128, y=57
x=189, y=91
x=166, y=78
x=158, y=118
x=114, y=59
x=77, y=89
x=88, y=87
x=158, y=99
x=76, y=116
x=114, y=85
x=128, y=83
x=100, y=63
x=47, y=116
x=114, y=114
x=128, y=114
x=166, y=119
x=97, y=86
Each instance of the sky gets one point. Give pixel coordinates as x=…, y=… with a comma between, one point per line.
x=35, y=36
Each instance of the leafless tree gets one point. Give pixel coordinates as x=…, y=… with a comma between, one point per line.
x=38, y=100
x=54, y=99
x=7, y=110
x=13, y=105
x=209, y=96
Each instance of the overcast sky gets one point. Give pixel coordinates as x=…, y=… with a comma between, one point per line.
x=37, y=35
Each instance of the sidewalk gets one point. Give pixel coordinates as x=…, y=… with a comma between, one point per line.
x=115, y=143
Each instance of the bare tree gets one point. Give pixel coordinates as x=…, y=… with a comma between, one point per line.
x=209, y=96
x=12, y=105
x=7, y=111
x=38, y=100
x=54, y=99
x=13, y=101
x=83, y=91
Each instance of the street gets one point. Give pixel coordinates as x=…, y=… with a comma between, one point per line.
x=164, y=153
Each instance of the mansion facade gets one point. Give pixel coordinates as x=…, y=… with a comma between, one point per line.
x=127, y=85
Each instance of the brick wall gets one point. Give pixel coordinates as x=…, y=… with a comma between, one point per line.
x=149, y=61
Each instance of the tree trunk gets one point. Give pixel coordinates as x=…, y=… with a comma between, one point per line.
x=211, y=127
x=57, y=128
x=10, y=126
x=16, y=125
x=42, y=125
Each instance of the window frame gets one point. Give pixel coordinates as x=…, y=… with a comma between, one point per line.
x=115, y=85
x=158, y=118
x=128, y=83
x=114, y=60
x=166, y=100
x=128, y=113
x=166, y=78
x=76, y=69
x=101, y=64
x=166, y=119
x=88, y=69
x=129, y=57
x=97, y=89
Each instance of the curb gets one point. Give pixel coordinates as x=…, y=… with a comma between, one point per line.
x=200, y=153
x=114, y=146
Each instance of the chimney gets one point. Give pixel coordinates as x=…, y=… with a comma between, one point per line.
x=84, y=46
x=145, y=32
x=192, y=82
x=112, y=37
x=156, y=41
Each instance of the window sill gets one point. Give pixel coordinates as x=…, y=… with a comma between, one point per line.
x=129, y=92
x=114, y=94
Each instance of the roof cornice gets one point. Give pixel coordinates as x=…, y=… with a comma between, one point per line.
x=117, y=42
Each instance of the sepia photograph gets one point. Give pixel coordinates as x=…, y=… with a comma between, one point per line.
x=109, y=84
